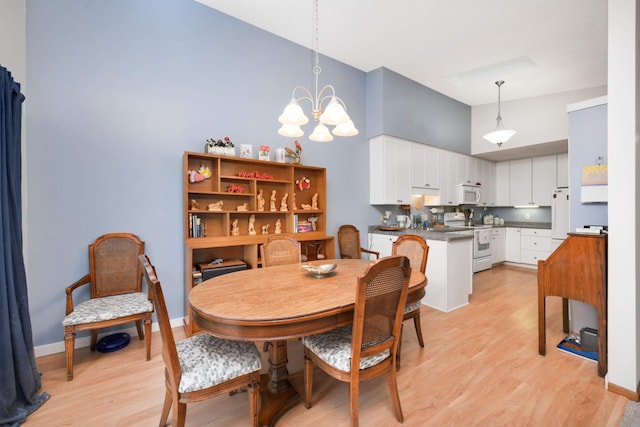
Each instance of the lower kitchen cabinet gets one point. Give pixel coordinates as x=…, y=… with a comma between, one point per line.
x=535, y=245
x=512, y=244
x=498, y=245
x=449, y=270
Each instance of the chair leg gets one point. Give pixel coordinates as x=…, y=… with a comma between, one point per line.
x=395, y=397
x=179, y=414
x=139, y=328
x=147, y=336
x=308, y=381
x=418, y=325
x=354, y=398
x=166, y=407
x=254, y=394
x=69, y=346
x=94, y=339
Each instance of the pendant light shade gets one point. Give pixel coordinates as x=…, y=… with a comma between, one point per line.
x=500, y=135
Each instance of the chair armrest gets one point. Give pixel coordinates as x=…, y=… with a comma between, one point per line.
x=377, y=254
x=83, y=281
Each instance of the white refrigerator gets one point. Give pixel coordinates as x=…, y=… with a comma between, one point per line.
x=559, y=216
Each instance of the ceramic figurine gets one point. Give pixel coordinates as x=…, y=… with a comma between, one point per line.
x=243, y=207
x=252, y=228
x=314, y=202
x=293, y=202
x=273, y=201
x=235, y=230
x=278, y=229
x=265, y=229
x=260, y=201
x=283, y=203
x=216, y=206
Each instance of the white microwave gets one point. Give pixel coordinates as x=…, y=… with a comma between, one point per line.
x=469, y=194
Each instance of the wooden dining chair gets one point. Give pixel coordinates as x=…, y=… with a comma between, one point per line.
x=116, y=297
x=349, y=243
x=367, y=348
x=416, y=249
x=280, y=249
x=202, y=366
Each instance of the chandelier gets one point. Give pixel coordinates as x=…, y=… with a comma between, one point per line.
x=334, y=114
x=500, y=134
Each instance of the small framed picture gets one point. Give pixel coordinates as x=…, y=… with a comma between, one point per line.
x=263, y=152
x=246, y=151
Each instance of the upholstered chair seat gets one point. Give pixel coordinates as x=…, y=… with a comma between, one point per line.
x=207, y=361
x=334, y=348
x=108, y=308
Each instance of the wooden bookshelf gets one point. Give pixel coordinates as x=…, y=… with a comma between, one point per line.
x=234, y=184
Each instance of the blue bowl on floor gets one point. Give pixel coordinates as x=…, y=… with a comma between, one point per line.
x=113, y=342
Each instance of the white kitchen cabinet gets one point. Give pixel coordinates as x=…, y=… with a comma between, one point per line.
x=520, y=182
x=532, y=181
x=562, y=178
x=449, y=164
x=449, y=270
x=502, y=184
x=425, y=166
x=382, y=243
x=498, y=245
x=535, y=245
x=543, y=179
x=512, y=244
x=389, y=171
x=450, y=275
x=487, y=178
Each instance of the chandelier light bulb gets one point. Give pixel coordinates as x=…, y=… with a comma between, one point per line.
x=292, y=131
x=334, y=114
x=345, y=129
x=321, y=134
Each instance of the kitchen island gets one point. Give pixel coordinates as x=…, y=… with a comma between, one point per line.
x=449, y=266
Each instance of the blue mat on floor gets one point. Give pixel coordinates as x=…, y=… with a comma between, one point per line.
x=572, y=346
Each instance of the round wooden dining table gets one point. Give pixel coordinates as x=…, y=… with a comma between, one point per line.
x=277, y=303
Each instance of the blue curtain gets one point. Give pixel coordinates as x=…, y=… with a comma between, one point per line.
x=19, y=375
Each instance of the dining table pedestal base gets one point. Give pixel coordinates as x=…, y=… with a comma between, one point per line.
x=277, y=394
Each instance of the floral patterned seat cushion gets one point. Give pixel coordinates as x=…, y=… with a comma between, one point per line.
x=334, y=347
x=412, y=307
x=108, y=308
x=207, y=361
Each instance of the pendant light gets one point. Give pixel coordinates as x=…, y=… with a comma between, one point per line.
x=334, y=114
x=500, y=134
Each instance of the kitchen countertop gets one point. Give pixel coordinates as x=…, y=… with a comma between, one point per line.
x=431, y=234
x=456, y=233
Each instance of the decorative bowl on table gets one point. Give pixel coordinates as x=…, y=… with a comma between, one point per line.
x=321, y=270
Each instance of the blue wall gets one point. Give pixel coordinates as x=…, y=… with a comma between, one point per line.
x=401, y=107
x=117, y=91
x=587, y=142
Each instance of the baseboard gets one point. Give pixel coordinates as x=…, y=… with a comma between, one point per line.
x=629, y=394
x=58, y=347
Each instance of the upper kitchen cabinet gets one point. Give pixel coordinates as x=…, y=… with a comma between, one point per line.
x=502, y=184
x=425, y=166
x=562, y=179
x=531, y=181
x=389, y=171
x=449, y=178
x=486, y=176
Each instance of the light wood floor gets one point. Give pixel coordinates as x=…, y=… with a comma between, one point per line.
x=480, y=367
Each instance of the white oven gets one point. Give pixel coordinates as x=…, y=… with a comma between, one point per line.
x=481, y=248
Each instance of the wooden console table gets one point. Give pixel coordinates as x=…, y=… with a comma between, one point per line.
x=576, y=270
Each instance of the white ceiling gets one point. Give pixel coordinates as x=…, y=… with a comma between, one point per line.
x=538, y=47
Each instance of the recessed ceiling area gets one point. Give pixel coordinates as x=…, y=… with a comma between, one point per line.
x=458, y=48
